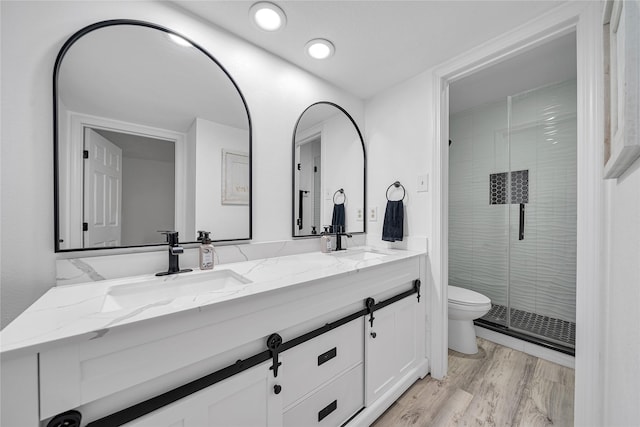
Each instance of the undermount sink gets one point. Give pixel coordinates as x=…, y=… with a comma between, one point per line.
x=360, y=254
x=165, y=289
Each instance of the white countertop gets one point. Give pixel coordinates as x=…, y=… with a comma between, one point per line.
x=75, y=312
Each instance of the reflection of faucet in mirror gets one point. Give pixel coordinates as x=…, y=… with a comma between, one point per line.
x=174, y=251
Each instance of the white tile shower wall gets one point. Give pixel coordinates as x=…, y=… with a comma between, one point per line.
x=543, y=141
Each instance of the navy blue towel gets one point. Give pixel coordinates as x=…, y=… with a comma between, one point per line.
x=338, y=219
x=393, y=221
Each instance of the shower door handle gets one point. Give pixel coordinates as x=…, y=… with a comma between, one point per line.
x=521, y=232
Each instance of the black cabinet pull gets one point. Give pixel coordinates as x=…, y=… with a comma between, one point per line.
x=277, y=388
x=327, y=410
x=325, y=357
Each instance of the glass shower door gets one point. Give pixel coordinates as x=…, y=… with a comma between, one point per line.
x=542, y=235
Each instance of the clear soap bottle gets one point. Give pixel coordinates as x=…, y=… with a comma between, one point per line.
x=325, y=241
x=206, y=251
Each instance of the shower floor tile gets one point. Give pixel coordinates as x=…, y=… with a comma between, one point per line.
x=544, y=326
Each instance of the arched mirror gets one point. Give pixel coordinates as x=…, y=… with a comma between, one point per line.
x=151, y=134
x=328, y=172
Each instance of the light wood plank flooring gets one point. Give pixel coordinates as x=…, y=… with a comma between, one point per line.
x=497, y=386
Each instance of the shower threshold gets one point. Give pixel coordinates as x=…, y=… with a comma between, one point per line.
x=556, y=334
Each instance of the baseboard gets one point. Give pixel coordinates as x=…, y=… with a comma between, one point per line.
x=526, y=347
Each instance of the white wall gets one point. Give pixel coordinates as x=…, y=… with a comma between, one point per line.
x=224, y=222
x=32, y=34
x=622, y=316
x=343, y=164
x=398, y=146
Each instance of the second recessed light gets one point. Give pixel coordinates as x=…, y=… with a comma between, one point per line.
x=320, y=48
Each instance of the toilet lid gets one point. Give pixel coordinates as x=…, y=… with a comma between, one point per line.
x=466, y=296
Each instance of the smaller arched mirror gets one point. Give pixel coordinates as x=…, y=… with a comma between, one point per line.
x=328, y=172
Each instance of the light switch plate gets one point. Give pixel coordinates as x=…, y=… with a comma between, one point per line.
x=423, y=183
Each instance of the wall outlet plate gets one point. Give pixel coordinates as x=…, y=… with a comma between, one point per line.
x=359, y=215
x=373, y=214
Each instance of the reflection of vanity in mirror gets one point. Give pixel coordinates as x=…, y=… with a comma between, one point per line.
x=151, y=134
x=328, y=170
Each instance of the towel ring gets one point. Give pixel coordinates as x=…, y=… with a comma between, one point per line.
x=344, y=196
x=396, y=184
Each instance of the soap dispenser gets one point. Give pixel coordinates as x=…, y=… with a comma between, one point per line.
x=325, y=241
x=206, y=251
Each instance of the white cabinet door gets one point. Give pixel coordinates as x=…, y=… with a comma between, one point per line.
x=244, y=400
x=390, y=346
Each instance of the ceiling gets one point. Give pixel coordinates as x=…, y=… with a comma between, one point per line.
x=378, y=43
x=552, y=62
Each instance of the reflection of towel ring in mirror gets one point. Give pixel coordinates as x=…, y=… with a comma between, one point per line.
x=396, y=184
x=344, y=196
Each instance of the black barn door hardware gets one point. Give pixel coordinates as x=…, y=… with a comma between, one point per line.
x=275, y=346
x=66, y=419
x=370, y=304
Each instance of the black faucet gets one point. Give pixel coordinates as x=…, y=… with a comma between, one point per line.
x=174, y=250
x=339, y=232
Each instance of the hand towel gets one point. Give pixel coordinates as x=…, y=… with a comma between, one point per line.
x=393, y=221
x=338, y=219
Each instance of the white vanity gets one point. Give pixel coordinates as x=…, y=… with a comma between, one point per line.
x=104, y=347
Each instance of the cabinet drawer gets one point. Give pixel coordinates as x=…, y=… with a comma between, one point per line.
x=332, y=404
x=315, y=362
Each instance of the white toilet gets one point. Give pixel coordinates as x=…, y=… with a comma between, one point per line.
x=464, y=306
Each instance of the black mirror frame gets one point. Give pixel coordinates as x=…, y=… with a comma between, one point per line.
x=293, y=172
x=65, y=47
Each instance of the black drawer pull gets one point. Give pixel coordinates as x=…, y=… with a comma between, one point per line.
x=325, y=357
x=326, y=411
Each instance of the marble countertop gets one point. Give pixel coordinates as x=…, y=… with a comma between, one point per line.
x=77, y=312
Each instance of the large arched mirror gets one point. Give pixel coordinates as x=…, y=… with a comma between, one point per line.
x=151, y=134
x=328, y=172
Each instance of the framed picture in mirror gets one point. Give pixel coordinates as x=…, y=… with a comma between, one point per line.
x=235, y=178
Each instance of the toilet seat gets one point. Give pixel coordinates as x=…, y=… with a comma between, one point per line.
x=466, y=297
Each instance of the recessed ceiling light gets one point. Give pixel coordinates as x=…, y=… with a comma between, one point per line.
x=267, y=16
x=320, y=48
x=179, y=40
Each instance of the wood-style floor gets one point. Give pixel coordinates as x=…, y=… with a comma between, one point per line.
x=497, y=386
